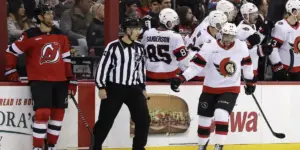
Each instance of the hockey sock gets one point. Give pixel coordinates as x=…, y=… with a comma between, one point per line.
x=39, y=126
x=204, y=129
x=54, y=125
x=221, y=123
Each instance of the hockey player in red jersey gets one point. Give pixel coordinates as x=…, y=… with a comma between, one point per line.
x=222, y=60
x=49, y=75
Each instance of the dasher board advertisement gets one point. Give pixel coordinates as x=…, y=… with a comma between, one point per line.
x=246, y=125
x=174, y=115
x=16, y=117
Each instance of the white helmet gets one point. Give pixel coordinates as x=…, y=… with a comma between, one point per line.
x=291, y=5
x=169, y=18
x=217, y=19
x=226, y=7
x=229, y=28
x=248, y=8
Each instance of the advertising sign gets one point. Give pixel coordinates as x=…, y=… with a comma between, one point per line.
x=16, y=116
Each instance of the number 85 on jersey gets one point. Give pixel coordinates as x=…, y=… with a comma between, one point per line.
x=162, y=53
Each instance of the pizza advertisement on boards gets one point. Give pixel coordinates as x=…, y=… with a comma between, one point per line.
x=169, y=115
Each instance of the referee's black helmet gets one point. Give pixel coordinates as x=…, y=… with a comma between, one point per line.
x=131, y=23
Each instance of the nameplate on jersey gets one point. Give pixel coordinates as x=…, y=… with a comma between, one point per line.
x=161, y=39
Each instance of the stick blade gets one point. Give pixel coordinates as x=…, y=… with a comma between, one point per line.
x=279, y=135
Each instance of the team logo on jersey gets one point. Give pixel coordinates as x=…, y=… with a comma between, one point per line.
x=204, y=105
x=296, y=46
x=50, y=53
x=226, y=68
x=280, y=23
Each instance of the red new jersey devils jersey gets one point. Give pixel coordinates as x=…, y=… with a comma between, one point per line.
x=47, y=55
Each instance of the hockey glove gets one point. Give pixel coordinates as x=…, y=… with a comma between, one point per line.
x=72, y=86
x=265, y=50
x=12, y=75
x=250, y=86
x=253, y=39
x=279, y=73
x=266, y=28
x=176, y=81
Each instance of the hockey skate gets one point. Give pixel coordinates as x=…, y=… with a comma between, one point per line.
x=218, y=147
x=51, y=147
x=203, y=147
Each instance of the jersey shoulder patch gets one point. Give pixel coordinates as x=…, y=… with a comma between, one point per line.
x=281, y=26
x=246, y=28
x=280, y=23
x=208, y=41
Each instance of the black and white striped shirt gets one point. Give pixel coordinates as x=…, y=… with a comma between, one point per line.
x=122, y=63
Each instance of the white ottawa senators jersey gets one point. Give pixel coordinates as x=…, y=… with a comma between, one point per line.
x=204, y=36
x=280, y=35
x=294, y=42
x=243, y=32
x=222, y=67
x=166, y=53
x=197, y=32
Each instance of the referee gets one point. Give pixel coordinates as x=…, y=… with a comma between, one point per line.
x=120, y=79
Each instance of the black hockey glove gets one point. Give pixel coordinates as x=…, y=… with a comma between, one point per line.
x=250, y=86
x=265, y=50
x=279, y=73
x=266, y=28
x=176, y=82
x=249, y=89
x=253, y=39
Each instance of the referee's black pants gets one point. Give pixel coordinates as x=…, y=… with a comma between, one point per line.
x=135, y=100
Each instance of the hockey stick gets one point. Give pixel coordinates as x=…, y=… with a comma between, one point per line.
x=278, y=135
x=84, y=121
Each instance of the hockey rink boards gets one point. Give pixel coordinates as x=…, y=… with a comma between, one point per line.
x=247, y=130
x=228, y=147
